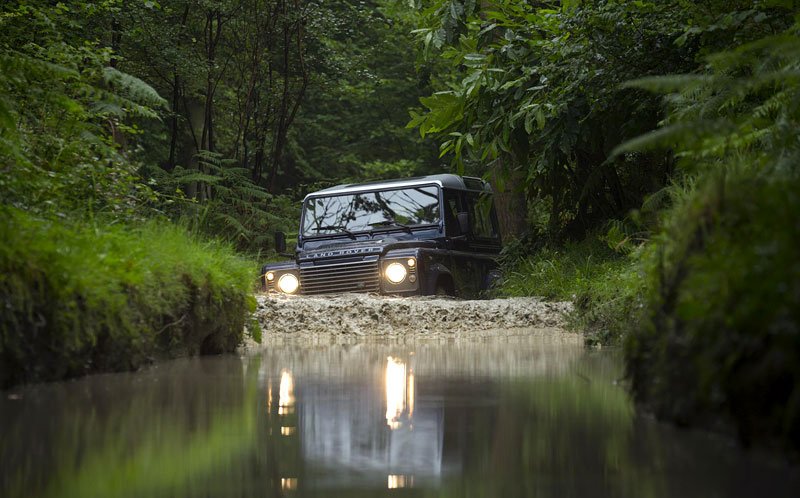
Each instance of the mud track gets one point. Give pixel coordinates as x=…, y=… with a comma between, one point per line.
x=359, y=316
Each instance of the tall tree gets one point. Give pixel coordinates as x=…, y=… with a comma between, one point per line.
x=533, y=95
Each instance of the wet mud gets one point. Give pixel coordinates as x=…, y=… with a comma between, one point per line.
x=360, y=316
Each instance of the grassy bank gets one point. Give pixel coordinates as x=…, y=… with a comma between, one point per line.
x=604, y=286
x=78, y=299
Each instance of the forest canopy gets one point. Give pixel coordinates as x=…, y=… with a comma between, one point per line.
x=216, y=113
x=221, y=114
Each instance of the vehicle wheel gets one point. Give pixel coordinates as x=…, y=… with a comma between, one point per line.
x=443, y=289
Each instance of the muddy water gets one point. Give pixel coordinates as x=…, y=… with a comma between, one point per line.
x=505, y=416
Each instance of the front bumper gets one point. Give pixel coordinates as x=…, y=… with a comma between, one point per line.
x=367, y=275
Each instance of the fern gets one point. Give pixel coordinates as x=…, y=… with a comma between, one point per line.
x=131, y=89
x=236, y=209
x=743, y=104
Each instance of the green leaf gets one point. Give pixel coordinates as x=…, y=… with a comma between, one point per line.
x=445, y=109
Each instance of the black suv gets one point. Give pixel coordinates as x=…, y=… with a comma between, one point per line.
x=414, y=236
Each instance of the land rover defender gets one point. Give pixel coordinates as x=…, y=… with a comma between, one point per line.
x=414, y=236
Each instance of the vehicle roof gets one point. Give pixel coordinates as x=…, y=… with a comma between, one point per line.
x=444, y=180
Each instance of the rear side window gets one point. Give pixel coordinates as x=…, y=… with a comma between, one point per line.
x=482, y=215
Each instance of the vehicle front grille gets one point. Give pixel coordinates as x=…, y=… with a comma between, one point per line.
x=355, y=276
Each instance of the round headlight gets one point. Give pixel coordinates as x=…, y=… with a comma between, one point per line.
x=396, y=273
x=270, y=276
x=288, y=283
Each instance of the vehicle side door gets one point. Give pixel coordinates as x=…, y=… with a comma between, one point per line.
x=459, y=262
x=484, y=241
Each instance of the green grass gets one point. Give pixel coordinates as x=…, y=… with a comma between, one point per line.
x=77, y=298
x=604, y=286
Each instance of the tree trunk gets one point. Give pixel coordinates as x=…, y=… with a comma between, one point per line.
x=288, y=109
x=510, y=201
x=173, y=122
x=195, y=113
x=116, y=39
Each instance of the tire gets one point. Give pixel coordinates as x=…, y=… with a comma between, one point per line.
x=444, y=288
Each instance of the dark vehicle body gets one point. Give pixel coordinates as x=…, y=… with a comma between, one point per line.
x=415, y=236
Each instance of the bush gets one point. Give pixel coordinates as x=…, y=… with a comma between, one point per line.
x=721, y=343
x=77, y=298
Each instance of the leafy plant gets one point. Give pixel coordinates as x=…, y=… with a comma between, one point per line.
x=228, y=204
x=63, y=116
x=722, y=272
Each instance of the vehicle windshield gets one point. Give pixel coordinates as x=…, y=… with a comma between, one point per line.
x=396, y=208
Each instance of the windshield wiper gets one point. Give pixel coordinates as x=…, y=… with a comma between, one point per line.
x=392, y=223
x=336, y=227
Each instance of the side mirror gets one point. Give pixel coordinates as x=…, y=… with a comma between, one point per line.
x=463, y=223
x=280, y=242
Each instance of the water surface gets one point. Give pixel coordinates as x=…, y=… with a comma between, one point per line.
x=514, y=416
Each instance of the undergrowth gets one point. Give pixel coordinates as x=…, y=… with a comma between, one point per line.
x=720, y=344
x=77, y=298
x=604, y=286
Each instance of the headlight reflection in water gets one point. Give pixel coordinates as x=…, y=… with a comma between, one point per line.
x=286, y=393
x=395, y=481
x=399, y=392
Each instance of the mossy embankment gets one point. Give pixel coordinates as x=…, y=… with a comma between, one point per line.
x=719, y=345
x=708, y=309
x=77, y=298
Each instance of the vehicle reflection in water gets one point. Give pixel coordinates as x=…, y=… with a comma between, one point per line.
x=506, y=417
x=363, y=428
x=395, y=481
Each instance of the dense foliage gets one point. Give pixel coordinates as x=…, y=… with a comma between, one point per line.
x=536, y=95
x=217, y=113
x=267, y=98
x=723, y=272
x=695, y=191
x=62, y=108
